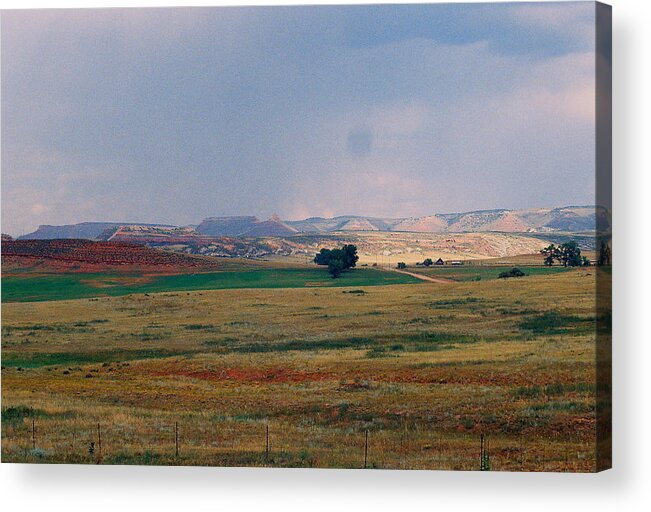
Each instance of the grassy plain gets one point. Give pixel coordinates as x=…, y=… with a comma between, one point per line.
x=74, y=285
x=478, y=272
x=425, y=367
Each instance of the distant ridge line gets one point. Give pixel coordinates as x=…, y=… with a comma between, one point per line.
x=583, y=218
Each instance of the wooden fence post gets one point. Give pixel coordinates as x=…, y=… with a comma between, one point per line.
x=176, y=437
x=99, y=440
x=266, y=450
x=484, y=456
x=481, y=452
x=365, y=448
x=33, y=435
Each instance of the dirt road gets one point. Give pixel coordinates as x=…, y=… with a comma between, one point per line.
x=440, y=280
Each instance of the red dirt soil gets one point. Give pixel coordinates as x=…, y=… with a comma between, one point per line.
x=250, y=375
x=86, y=255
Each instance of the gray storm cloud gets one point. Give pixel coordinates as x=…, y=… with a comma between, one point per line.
x=171, y=115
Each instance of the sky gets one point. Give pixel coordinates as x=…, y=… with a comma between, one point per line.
x=171, y=115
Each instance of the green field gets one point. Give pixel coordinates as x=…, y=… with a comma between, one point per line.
x=26, y=288
x=482, y=273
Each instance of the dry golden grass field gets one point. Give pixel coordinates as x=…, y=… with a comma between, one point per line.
x=198, y=377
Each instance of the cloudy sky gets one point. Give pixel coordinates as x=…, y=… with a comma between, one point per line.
x=172, y=115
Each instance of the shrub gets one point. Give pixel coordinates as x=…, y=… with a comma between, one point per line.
x=18, y=413
x=514, y=272
x=39, y=453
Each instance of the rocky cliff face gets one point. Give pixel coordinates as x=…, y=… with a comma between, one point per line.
x=535, y=220
x=245, y=227
x=83, y=230
x=576, y=219
x=226, y=226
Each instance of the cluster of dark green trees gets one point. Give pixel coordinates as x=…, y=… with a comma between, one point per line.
x=567, y=254
x=337, y=260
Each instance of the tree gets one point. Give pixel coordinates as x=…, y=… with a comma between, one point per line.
x=585, y=261
x=428, y=262
x=350, y=253
x=570, y=254
x=567, y=254
x=322, y=257
x=337, y=260
x=551, y=253
x=402, y=264
x=335, y=267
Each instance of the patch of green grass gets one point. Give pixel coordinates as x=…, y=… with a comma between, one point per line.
x=556, y=389
x=91, y=322
x=563, y=406
x=320, y=344
x=18, y=413
x=199, y=327
x=527, y=391
x=561, y=389
x=377, y=352
x=38, y=359
x=221, y=342
x=436, y=337
x=64, y=286
x=450, y=303
x=426, y=341
x=76, y=327
x=146, y=458
x=423, y=347
x=483, y=273
x=426, y=320
x=551, y=322
x=151, y=336
x=514, y=311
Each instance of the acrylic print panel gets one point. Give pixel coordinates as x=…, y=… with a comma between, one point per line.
x=323, y=237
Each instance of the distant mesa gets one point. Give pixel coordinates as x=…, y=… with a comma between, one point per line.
x=153, y=235
x=342, y=223
x=430, y=224
x=359, y=225
x=576, y=219
x=226, y=226
x=246, y=226
x=83, y=230
x=271, y=227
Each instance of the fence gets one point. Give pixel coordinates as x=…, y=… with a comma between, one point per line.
x=168, y=444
